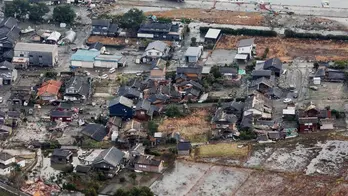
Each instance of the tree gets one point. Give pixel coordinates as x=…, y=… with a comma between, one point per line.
x=132, y=19
x=173, y=111
x=193, y=41
x=216, y=72
x=152, y=127
x=316, y=65
x=64, y=13
x=135, y=191
x=37, y=11
x=17, y=8
x=133, y=176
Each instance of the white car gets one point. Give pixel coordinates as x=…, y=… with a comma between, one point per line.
x=112, y=70
x=287, y=100
x=104, y=76
x=1, y=100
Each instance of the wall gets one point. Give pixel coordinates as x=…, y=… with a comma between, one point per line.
x=191, y=59
x=105, y=64
x=48, y=58
x=154, y=53
x=85, y=64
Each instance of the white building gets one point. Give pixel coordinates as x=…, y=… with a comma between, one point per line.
x=109, y=61
x=193, y=54
x=246, y=49
x=156, y=49
x=6, y=161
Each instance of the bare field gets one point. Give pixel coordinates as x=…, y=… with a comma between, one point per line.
x=222, y=150
x=196, y=179
x=111, y=40
x=213, y=16
x=290, y=48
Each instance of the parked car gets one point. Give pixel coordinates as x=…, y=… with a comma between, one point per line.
x=295, y=94
x=287, y=100
x=1, y=100
x=112, y=70
x=313, y=88
x=104, y=76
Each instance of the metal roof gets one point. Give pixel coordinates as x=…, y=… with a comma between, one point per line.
x=85, y=55
x=35, y=47
x=109, y=58
x=112, y=156
x=193, y=51
x=54, y=36
x=246, y=42
x=213, y=33
x=241, y=56
x=122, y=100
x=95, y=131
x=157, y=45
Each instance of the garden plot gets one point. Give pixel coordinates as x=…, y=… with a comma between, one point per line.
x=288, y=160
x=331, y=160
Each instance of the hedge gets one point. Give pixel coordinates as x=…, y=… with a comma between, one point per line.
x=292, y=34
x=250, y=32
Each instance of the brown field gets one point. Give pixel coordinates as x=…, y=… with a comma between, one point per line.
x=193, y=127
x=222, y=150
x=111, y=40
x=287, y=49
x=213, y=16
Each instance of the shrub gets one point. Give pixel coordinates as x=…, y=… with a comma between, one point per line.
x=265, y=53
x=292, y=34
x=247, y=135
x=122, y=179
x=173, y=111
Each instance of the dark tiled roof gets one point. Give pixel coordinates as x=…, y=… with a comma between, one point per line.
x=193, y=92
x=127, y=91
x=6, y=65
x=188, y=70
x=78, y=85
x=238, y=106
x=96, y=45
x=192, y=83
x=184, y=146
x=228, y=70
x=112, y=156
x=155, y=27
x=273, y=62
x=83, y=168
x=265, y=73
x=95, y=131
x=60, y=114
x=61, y=153
x=143, y=105
x=262, y=80
x=5, y=156
x=113, y=28
x=13, y=114
x=247, y=121
x=308, y=120
x=102, y=22
x=9, y=22
x=221, y=116
x=336, y=76
x=121, y=100
x=155, y=97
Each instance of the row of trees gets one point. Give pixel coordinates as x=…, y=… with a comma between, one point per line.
x=21, y=9
x=130, y=20
x=292, y=34
x=250, y=32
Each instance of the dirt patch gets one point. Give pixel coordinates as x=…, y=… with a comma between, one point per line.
x=290, y=48
x=194, y=127
x=222, y=150
x=213, y=16
x=108, y=41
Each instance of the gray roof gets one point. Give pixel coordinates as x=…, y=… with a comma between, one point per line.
x=157, y=45
x=60, y=114
x=101, y=22
x=5, y=156
x=263, y=80
x=221, y=116
x=261, y=73
x=82, y=168
x=143, y=105
x=273, y=62
x=78, y=85
x=193, y=51
x=238, y=106
x=190, y=69
x=247, y=121
x=95, y=131
x=127, y=91
x=246, y=42
x=121, y=100
x=61, y=153
x=21, y=46
x=9, y=22
x=184, y=146
x=193, y=83
x=336, y=75
x=308, y=120
x=229, y=70
x=6, y=65
x=96, y=45
x=112, y=156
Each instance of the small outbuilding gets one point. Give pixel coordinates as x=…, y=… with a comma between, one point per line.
x=70, y=36
x=184, y=148
x=193, y=54
x=212, y=35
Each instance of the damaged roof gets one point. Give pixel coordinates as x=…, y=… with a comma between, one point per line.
x=221, y=116
x=265, y=73
x=61, y=153
x=111, y=156
x=129, y=92
x=95, y=131
x=121, y=100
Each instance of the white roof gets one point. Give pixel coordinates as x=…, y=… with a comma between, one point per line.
x=213, y=33
x=193, y=51
x=289, y=111
x=327, y=126
x=158, y=134
x=206, y=70
x=241, y=56
x=54, y=36
x=21, y=46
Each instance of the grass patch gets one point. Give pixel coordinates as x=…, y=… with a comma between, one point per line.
x=222, y=150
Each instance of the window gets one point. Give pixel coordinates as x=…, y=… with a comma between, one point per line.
x=40, y=56
x=21, y=55
x=150, y=53
x=158, y=53
x=31, y=56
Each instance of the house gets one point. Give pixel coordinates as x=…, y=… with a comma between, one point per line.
x=33, y=54
x=5, y=131
x=230, y=76
x=212, y=35
x=109, y=61
x=246, y=47
x=335, y=76
x=64, y=116
x=144, y=110
x=131, y=133
x=158, y=99
x=147, y=164
x=289, y=113
x=53, y=38
x=256, y=74
x=158, y=70
x=8, y=73
x=160, y=31
x=109, y=159
x=275, y=93
x=77, y=88
x=100, y=27
x=128, y=92
x=247, y=121
x=121, y=107
x=49, y=90
x=9, y=34
x=171, y=92
x=96, y=132
x=263, y=85
x=6, y=161
x=96, y=46
x=259, y=106
x=83, y=58
x=234, y=107
x=20, y=95
x=184, y=148
x=223, y=120
x=274, y=65
x=60, y=156
x=188, y=85
x=193, y=54
x=308, y=124
x=156, y=50
x=83, y=169
x=113, y=30
x=188, y=73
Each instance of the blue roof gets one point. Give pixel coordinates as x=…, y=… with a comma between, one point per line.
x=85, y=55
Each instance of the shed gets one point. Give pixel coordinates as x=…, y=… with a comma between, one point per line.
x=184, y=148
x=95, y=131
x=192, y=54
x=212, y=34
x=53, y=38
x=69, y=36
x=84, y=58
x=109, y=61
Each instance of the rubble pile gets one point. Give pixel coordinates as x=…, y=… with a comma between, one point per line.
x=40, y=188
